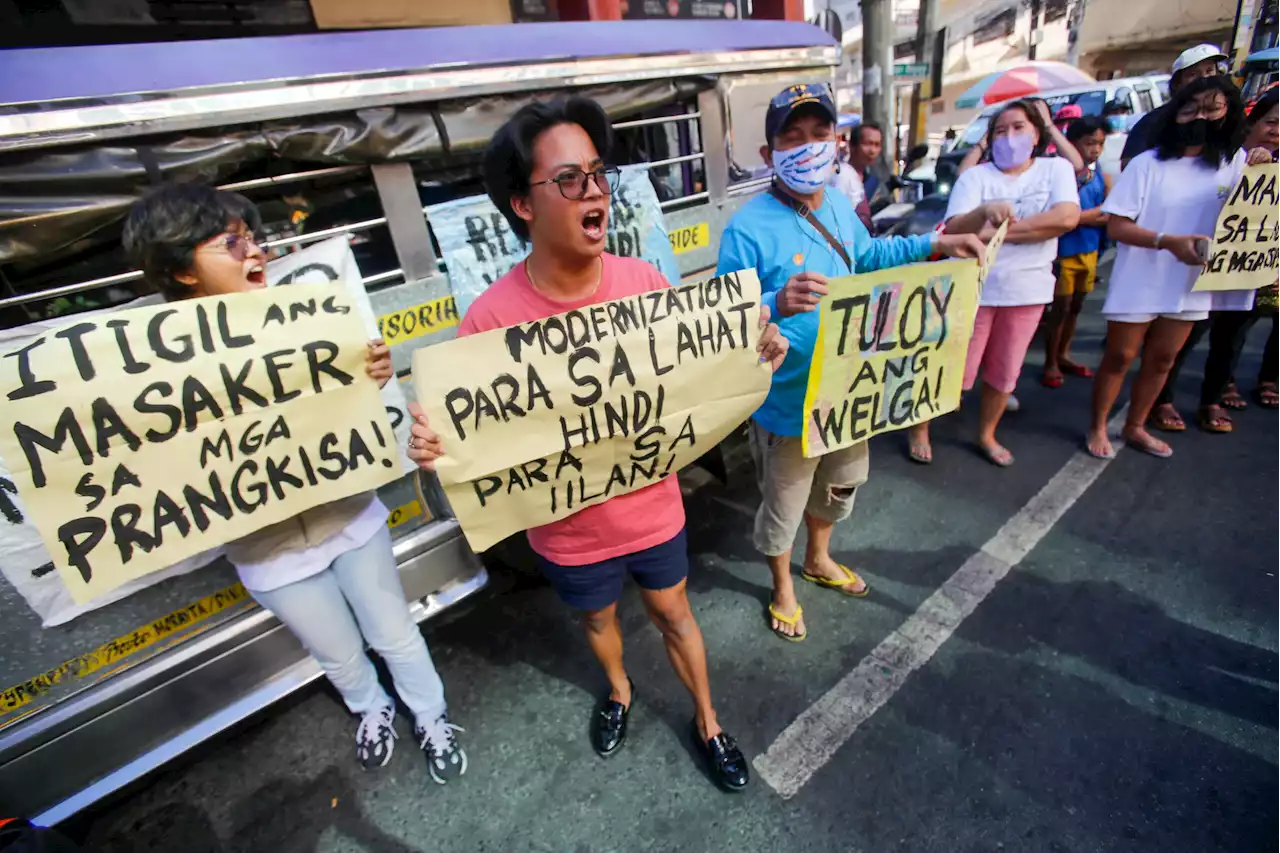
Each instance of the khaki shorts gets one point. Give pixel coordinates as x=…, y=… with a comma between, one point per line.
x=791, y=486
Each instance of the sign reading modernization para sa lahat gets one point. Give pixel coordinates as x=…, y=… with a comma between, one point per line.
x=543, y=419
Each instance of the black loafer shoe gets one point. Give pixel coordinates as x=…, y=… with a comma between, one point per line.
x=726, y=762
x=609, y=726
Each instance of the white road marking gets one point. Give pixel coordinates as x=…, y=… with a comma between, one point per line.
x=808, y=743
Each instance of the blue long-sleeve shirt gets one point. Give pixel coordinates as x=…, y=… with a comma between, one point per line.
x=771, y=238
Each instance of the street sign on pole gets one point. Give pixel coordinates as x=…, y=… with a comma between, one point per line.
x=911, y=70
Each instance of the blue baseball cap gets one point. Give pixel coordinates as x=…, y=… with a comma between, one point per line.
x=792, y=98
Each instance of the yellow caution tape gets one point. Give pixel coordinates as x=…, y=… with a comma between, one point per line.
x=417, y=321
x=403, y=513
x=690, y=237
x=112, y=652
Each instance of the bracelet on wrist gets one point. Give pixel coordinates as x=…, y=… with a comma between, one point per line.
x=1159, y=240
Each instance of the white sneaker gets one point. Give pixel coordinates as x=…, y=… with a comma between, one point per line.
x=446, y=759
x=1012, y=404
x=376, y=737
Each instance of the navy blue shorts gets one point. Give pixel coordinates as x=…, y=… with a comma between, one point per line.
x=597, y=585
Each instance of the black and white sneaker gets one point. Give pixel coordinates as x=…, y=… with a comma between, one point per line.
x=446, y=759
x=376, y=738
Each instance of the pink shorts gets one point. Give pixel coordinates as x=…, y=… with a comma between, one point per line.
x=1001, y=337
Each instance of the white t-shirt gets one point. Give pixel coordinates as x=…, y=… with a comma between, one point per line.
x=1182, y=196
x=299, y=560
x=847, y=181
x=1109, y=161
x=1023, y=272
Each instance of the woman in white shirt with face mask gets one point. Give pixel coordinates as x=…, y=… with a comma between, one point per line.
x=1162, y=214
x=1039, y=195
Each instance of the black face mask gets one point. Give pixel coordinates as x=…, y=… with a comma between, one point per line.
x=1194, y=132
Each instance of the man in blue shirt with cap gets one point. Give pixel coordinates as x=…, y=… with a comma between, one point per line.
x=795, y=236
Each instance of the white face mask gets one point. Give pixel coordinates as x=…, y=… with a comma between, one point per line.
x=806, y=168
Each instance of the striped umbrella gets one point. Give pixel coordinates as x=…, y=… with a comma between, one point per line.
x=1020, y=81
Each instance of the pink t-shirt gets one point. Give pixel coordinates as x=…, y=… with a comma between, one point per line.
x=623, y=524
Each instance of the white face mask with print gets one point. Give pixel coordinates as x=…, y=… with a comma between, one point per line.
x=806, y=168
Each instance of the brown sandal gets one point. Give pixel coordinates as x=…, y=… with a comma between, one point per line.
x=1162, y=420
x=1268, y=394
x=1210, y=422
x=1232, y=399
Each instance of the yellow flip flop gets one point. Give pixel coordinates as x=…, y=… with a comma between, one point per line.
x=791, y=620
x=841, y=585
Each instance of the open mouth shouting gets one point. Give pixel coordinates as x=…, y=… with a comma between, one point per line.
x=594, y=222
x=256, y=275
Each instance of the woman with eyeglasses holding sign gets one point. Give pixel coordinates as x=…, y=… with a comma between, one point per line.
x=328, y=573
x=546, y=170
x=1162, y=213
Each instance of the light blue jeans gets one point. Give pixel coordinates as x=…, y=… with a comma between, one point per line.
x=359, y=597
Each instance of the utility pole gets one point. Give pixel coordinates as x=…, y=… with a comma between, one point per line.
x=877, y=70
x=922, y=93
x=1075, y=22
x=1033, y=36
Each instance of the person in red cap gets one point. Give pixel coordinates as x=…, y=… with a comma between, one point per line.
x=1067, y=114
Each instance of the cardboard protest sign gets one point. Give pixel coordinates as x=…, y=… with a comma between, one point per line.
x=27, y=565
x=890, y=352
x=993, y=250
x=479, y=246
x=142, y=439
x=333, y=262
x=543, y=419
x=1245, y=253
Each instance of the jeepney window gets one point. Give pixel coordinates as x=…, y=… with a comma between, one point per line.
x=670, y=140
x=1125, y=96
x=747, y=99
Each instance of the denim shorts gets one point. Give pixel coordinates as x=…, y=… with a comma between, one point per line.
x=597, y=585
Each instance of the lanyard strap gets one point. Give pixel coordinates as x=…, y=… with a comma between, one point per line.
x=808, y=216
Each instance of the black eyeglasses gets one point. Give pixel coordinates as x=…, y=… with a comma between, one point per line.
x=573, y=183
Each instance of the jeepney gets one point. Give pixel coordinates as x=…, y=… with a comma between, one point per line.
x=370, y=136
x=1259, y=72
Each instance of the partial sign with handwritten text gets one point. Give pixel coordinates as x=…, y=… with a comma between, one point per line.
x=1245, y=252
x=546, y=418
x=479, y=246
x=143, y=438
x=890, y=353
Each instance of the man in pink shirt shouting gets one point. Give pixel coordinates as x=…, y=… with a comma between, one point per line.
x=547, y=170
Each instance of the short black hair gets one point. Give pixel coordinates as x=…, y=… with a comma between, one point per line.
x=1228, y=136
x=1263, y=105
x=1115, y=107
x=856, y=135
x=508, y=161
x=165, y=226
x=1083, y=126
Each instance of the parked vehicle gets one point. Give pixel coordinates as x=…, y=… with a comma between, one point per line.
x=1141, y=93
x=348, y=133
x=1259, y=72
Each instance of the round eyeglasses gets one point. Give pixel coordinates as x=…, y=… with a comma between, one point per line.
x=573, y=182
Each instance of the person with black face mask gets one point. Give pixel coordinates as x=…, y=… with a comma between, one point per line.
x=1194, y=63
x=1162, y=214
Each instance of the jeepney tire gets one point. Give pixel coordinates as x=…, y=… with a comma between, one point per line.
x=514, y=554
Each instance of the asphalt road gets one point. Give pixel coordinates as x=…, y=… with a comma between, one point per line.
x=1115, y=691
